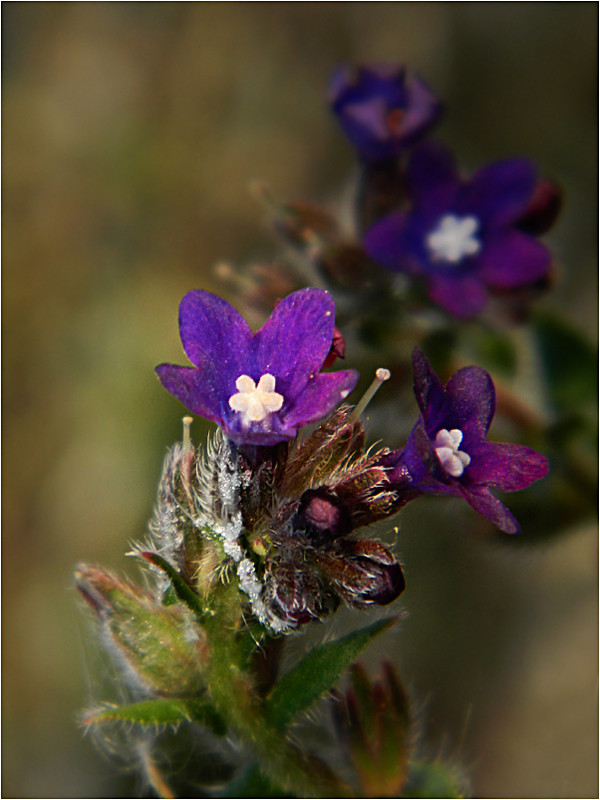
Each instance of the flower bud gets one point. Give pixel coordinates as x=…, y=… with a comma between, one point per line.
x=372, y=720
x=162, y=647
x=382, y=573
x=296, y=596
x=543, y=209
x=362, y=573
x=322, y=516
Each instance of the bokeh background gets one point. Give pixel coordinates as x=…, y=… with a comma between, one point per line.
x=131, y=134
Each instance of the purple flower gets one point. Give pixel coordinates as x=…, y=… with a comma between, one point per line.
x=447, y=452
x=463, y=236
x=381, y=110
x=259, y=387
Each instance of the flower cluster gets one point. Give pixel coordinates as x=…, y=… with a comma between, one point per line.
x=283, y=510
x=262, y=531
x=466, y=239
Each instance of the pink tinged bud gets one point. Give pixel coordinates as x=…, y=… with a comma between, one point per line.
x=322, y=516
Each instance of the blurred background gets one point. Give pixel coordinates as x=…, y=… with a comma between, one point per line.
x=131, y=134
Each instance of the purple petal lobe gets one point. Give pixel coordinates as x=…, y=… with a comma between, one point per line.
x=216, y=338
x=395, y=243
x=429, y=390
x=321, y=394
x=295, y=341
x=512, y=259
x=190, y=387
x=461, y=295
x=500, y=192
x=422, y=109
x=510, y=467
x=472, y=397
x=483, y=501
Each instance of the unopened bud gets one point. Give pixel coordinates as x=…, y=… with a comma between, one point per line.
x=162, y=646
x=543, y=209
x=322, y=516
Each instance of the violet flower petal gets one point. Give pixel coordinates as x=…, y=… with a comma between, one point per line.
x=216, y=338
x=510, y=467
x=428, y=388
x=295, y=341
x=422, y=109
x=501, y=192
x=396, y=243
x=513, y=259
x=472, y=398
x=195, y=390
x=483, y=501
x=320, y=395
x=381, y=110
x=461, y=295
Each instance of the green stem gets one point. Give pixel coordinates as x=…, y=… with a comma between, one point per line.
x=235, y=698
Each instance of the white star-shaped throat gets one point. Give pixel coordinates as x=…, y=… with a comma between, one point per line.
x=453, y=239
x=255, y=402
x=452, y=459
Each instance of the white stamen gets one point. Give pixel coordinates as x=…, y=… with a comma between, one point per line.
x=381, y=376
x=254, y=402
x=187, y=437
x=452, y=459
x=453, y=239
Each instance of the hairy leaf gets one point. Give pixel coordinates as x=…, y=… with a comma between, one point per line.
x=162, y=711
x=317, y=673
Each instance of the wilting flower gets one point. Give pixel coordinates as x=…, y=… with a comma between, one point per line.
x=464, y=237
x=258, y=387
x=381, y=109
x=447, y=451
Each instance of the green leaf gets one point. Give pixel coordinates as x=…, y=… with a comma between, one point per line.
x=317, y=673
x=569, y=363
x=432, y=779
x=182, y=590
x=169, y=597
x=163, y=711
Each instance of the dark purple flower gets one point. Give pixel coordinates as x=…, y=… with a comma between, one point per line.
x=381, y=110
x=447, y=452
x=259, y=387
x=463, y=236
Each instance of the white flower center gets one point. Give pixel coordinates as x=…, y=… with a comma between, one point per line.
x=452, y=459
x=255, y=402
x=453, y=239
